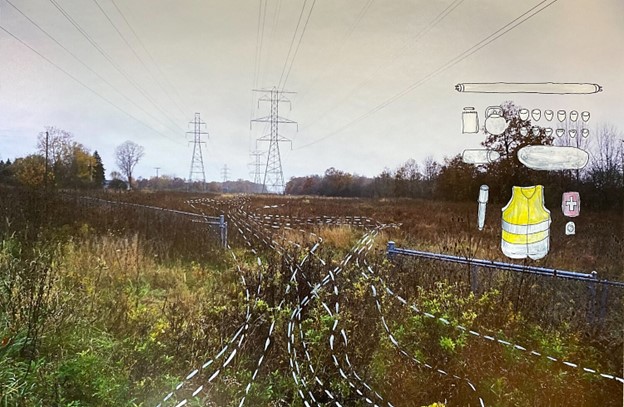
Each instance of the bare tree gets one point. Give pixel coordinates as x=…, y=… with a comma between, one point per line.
x=128, y=155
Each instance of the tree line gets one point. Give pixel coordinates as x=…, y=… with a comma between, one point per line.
x=600, y=182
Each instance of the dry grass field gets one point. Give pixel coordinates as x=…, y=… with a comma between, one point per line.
x=109, y=304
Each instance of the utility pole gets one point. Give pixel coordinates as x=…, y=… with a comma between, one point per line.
x=197, y=161
x=273, y=175
x=224, y=173
x=157, y=168
x=45, y=180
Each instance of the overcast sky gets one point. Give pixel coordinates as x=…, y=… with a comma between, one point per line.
x=353, y=60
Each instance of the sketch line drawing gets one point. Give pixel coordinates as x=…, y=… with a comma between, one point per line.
x=480, y=156
x=524, y=131
x=536, y=114
x=524, y=114
x=526, y=224
x=561, y=115
x=560, y=132
x=571, y=204
x=483, y=198
x=574, y=115
x=470, y=120
x=585, y=133
x=553, y=158
x=535, y=130
x=570, y=228
x=552, y=88
x=548, y=131
x=585, y=116
x=495, y=123
x=549, y=114
x=572, y=133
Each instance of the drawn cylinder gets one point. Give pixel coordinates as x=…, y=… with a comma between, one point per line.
x=484, y=192
x=480, y=156
x=545, y=88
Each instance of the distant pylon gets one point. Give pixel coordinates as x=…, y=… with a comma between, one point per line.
x=273, y=180
x=197, y=161
x=257, y=172
x=225, y=172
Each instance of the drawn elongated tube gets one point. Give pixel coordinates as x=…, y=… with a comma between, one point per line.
x=483, y=198
x=480, y=156
x=516, y=87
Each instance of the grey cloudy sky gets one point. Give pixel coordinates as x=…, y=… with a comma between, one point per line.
x=353, y=60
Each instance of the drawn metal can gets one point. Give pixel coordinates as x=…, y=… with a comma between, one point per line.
x=470, y=120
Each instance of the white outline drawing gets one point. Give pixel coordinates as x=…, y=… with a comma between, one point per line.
x=470, y=120
x=572, y=133
x=524, y=131
x=553, y=158
x=523, y=114
x=561, y=115
x=570, y=228
x=574, y=115
x=480, y=156
x=536, y=114
x=495, y=123
x=560, y=132
x=585, y=133
x=542, y=87
x=548, y=131
x=549, y=114
x=585, y=116
x=535, y=130
x=483, y=198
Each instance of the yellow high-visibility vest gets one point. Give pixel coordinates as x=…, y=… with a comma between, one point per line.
x=526, y=224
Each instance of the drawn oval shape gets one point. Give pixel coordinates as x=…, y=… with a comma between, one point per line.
x=573, y=115
x=536, y=114
x=585, y=116
x=524, y=114
x=553, y=158
x=480, y=156
x=548, y=114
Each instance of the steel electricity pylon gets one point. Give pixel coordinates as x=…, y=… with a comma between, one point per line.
x=197, y=161
x=256, y=164
x=273, y=180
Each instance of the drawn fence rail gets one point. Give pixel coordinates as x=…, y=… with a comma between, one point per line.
x=579, y=292
x=218, y=221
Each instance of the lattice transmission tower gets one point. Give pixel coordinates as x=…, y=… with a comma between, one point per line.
x=273, y=180
x=256, y=164
x=197, y=161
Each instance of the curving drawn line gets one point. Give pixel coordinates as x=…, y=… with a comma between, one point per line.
x=553, y=158
x=480, y=156
x=549, y=114
x=541, y=87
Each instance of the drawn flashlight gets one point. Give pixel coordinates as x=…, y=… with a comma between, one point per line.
x=483, y=198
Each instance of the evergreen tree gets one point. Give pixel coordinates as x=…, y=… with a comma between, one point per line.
x=98, y=172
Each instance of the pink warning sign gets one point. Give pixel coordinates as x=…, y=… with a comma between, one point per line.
x=571, y=204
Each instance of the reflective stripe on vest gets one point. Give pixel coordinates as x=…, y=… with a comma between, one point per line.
x=526, y=224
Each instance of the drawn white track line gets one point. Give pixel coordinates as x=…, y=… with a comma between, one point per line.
x=492, y=338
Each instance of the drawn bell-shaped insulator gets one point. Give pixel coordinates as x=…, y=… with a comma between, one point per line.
x=524, y=131
x=560, y=132
x=573, y=115
x=548, y=115
x=585, y=133
x=549, y=131
x=535, y=130
x=585, y=116
x=524, y=114
x=572, y=133
x=536, y=114
x=561, y=115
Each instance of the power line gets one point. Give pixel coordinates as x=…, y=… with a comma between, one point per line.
x=292, y=42
x=164, y=77
x=82, y=83
x=292, y=61
x=125, y=40
x=110, y=60
x=86, y=66
x=388, y=62
x=486, y=41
